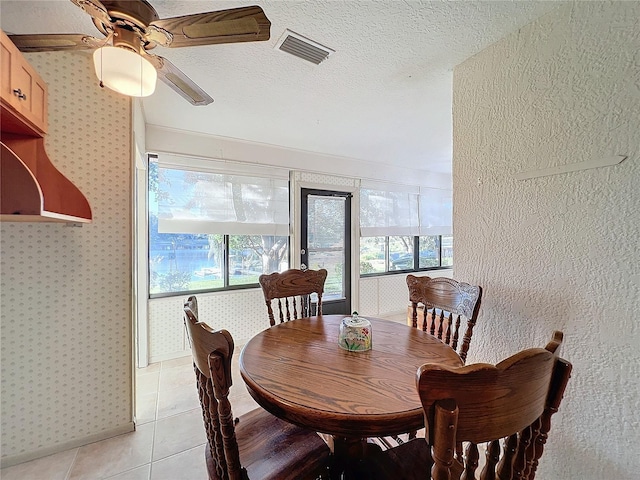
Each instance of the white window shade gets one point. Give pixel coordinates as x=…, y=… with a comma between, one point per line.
x=436, y=211
x=384, y=213
x=192, y=201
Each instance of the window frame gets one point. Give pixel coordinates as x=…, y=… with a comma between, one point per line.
x=225, y=275
x=225, y=251
x=416, y=258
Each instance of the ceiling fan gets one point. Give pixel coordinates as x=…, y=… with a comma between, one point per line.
x=133, y=27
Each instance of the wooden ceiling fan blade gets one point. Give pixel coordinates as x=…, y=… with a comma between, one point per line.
x=226, y=28
x=178, y=81
x=54, y=42
x=94, y=8
x=245, y=24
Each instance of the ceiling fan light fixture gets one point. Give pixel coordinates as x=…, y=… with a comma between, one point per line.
x=125, y=71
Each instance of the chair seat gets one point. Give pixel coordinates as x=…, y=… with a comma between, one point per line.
x=406, y=461
x=271, y=448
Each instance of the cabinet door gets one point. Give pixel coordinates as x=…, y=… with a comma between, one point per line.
x=7, y=57
x=22, y=88
x=30, y=94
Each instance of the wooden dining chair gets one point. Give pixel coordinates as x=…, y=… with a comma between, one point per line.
x=510, y=403
x=256, y=445
x=444, y=307
x=293, y=289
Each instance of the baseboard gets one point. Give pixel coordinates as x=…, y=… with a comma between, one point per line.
x=395, y=313
x=239, y=343
x=169, y=356
x=61, y=447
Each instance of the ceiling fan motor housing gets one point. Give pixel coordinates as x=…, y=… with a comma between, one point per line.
x=125, y=38
x=139, y=14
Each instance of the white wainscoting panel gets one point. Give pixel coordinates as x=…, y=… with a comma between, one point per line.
x=387, y=295
x=242, y=312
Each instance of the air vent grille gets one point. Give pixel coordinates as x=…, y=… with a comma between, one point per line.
x=302, y=47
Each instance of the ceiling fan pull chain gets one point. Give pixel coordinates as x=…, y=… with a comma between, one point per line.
x=141, y=73
x=108, y=38
x=101, y=63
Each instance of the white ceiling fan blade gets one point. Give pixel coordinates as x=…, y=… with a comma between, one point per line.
x=178, y=81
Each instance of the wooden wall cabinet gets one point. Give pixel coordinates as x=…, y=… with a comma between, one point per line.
x=32, y=189
x=22, y=91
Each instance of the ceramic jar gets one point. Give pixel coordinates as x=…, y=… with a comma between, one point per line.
x=355, y=334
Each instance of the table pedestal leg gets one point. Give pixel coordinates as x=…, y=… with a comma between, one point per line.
x=349, y=458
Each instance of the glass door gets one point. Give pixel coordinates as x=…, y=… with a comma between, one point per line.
x=326, y=243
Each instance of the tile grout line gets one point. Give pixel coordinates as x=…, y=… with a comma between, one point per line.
x=153, y=446
x=155, y=421
x=73, y=462
x=129, y=470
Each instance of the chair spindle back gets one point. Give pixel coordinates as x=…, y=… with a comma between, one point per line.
x=442, y=306
x=291, y=291
x=512, y=402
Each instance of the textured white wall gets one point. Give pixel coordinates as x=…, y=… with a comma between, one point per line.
x=559, y=252
x=65, y=295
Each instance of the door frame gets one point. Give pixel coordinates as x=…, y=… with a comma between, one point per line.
x=342, y=305
x=299, y=180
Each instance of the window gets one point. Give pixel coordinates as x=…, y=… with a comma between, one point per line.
x=429, y=248
x=398, y=253
x=373, y=254
x=446, y=245
x=212, y=228
x=404, y=228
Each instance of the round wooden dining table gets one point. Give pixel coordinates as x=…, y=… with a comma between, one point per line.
x=297, y=371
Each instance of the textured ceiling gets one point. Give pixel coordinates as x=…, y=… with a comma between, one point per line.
x=384, y=96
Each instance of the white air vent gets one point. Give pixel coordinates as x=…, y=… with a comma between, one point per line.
x=302, y=47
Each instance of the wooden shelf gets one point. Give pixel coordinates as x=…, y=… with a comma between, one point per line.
x=36, y=191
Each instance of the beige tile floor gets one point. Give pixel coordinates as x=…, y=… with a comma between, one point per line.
x=169, y=440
